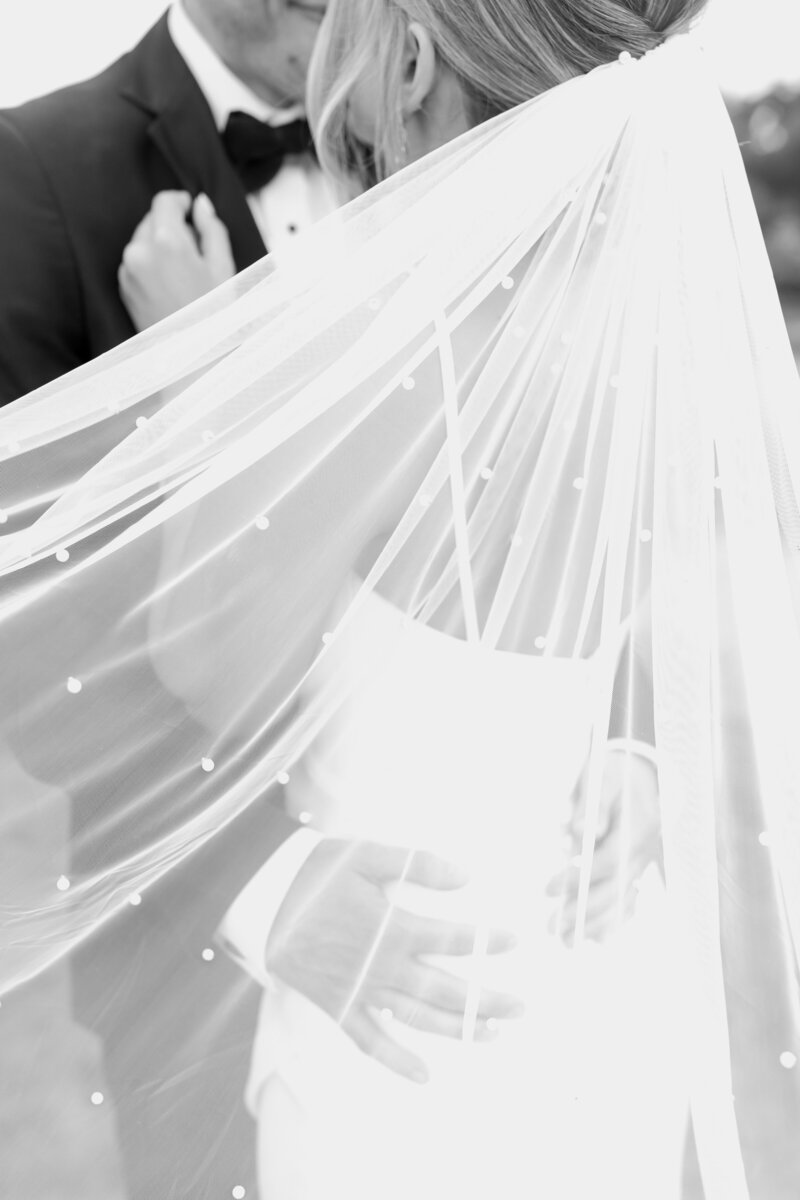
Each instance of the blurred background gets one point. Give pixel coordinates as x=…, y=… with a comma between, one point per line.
x=755, y=45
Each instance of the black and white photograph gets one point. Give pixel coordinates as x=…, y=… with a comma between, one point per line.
x=400, y=600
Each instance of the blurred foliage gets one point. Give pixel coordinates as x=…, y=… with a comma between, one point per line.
x=768, y=130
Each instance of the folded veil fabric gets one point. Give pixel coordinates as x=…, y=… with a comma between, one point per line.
x=536, y=391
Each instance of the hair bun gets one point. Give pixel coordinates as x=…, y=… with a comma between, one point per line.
x=665, y=17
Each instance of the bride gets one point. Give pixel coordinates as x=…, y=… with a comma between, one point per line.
x=485, y=492
x=453, y=746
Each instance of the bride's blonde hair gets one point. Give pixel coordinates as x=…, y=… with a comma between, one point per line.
x=503, y=51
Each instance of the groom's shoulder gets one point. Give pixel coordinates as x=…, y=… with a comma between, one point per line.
x=70, y=118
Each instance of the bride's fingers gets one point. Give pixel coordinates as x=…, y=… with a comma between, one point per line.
x=143, y=230
x=418, y=1014
x=601, y=912
x=167, y=208
x=603, y=897
x=214, y=239
x=565, y=884
x=168, y=212
x=605, y=867
x=596, y=930
x=598, y=924
x=369, y=1034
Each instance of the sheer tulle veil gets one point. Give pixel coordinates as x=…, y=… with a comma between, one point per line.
x=536, y=391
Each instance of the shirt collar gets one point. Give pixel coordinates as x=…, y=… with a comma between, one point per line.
x=224, y=92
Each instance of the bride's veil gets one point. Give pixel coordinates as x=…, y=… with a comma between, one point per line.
x=536, y=391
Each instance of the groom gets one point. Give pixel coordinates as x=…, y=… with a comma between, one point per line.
x=79, y=172
x=171, y=124
x=209, y=105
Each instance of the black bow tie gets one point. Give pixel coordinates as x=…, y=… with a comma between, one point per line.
x=257, y=150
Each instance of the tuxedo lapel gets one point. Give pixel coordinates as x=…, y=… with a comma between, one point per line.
x=189, y=150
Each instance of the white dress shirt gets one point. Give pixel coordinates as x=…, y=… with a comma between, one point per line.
x=297, y=196
x=246, y=925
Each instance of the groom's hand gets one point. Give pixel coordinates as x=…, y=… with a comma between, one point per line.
x=339, y=941
x=168, y=263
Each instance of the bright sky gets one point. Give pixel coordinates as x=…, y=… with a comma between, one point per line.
x=754, y=42
x=47, y=43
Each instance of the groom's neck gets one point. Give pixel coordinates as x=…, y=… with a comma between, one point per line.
x=239, y=31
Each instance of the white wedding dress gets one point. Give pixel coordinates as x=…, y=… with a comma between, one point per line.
x=474, y=754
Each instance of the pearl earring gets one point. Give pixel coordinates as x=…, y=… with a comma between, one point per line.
x=403, y=149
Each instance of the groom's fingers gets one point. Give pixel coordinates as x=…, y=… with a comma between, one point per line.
x=452, y=994
x=430, y=871
x=391, y=864
x=417, y=1014
x=429, y=935
x=368, y=1033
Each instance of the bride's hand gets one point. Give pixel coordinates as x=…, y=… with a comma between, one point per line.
x=339, y=942
x=168, y=263
x=644, y=848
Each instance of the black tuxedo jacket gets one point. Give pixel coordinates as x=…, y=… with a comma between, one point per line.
x=78, y=170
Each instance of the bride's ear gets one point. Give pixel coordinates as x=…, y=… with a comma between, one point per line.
x=419, y=68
